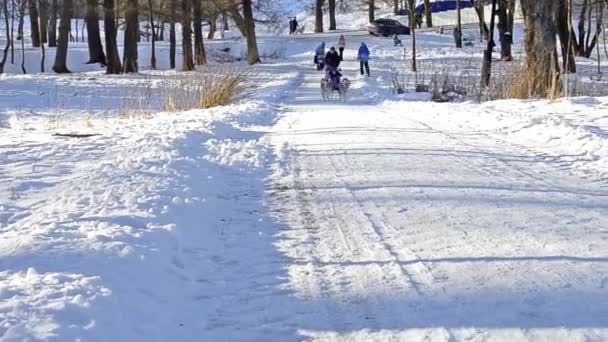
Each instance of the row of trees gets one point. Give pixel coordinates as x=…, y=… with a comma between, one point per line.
x=545, y=21
x=126, y=14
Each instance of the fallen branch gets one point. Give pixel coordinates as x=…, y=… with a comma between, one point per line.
x=75, y=135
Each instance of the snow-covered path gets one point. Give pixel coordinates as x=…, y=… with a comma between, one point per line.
x=397, y=230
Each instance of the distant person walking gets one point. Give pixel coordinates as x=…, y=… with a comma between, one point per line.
x=418, y=20
x=363, y=58
x=295, y=25
x=341, y=45
x=397, y=41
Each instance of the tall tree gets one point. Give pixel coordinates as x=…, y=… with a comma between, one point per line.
x=61, y=54
x=212, y=27
x=131, y=35
x=187, y=60
x=486, y=68
x=371, y=10
x=483, y=28
x=44, y=18
x=96, y=54
x=319, y=16
x=587, y=40
x=540, y=46
x=34, y=29
x=412, y=19
x=197, y=20
x=8, y=35
x=332, y=14
x=564, y=30
x=52, y=29
x=151, y=19
x=506, y=9
x=458, y=31
x=253, y=56
x=172, y=38
x=109, y=22
x=42, y=35
x=22, y=5
x=428, y=12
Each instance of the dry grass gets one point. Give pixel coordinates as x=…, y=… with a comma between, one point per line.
x=207, y=90
x=522, y=81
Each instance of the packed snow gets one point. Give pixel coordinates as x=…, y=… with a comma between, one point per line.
x=282, y=217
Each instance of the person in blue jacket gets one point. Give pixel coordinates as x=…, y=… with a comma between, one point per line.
x=363, y=58
x=320, y=56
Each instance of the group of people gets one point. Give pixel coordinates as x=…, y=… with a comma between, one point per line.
x=330, y=61
x=293, y=25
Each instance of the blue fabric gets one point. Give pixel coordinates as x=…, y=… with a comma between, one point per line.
x=444, y=5
x=363, y=54
x=320, y=51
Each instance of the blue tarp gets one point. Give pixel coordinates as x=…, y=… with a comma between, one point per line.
x=443, y=5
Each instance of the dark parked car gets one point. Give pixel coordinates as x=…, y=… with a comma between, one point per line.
x=387, y=27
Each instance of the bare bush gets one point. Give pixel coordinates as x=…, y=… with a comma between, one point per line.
x=209, y=89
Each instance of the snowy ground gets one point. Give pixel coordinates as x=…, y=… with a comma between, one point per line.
x=285, y=218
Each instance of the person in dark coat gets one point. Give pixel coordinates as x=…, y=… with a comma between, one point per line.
x=332, y=62
x=332, y=58
x=295, y=25
x=291, y=26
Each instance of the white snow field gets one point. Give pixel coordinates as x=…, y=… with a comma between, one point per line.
x=286, y=218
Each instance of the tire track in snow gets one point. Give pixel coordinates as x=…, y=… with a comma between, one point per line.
x=573, y=274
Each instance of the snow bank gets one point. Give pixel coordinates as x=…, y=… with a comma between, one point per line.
x=570, y=133
x=123, y=235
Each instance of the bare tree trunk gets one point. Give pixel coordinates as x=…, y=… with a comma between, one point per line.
x=395, y=7
x=371, y=11
x=12, y=31
x=458, y=33
x=505, y=28
x=564, y=30
x=34, y=29
x=540, y=47
x=82, y=28
x=172, y=38
x=483, y=28
x=319, y=16
x=42, y=50
x=161, y=31
x=61, y=55
x=112, y=59
x=131, y=34
x=153, y=52
x=212, y=28
x=413, y=31
x=8, y=35
x=332, y=14
x=253, y=56
x=96, y=54
x=22, y=5
x=199, y=47
x=486, y=68
x=11, y=39
x=579, y=44
x=23, y=55
x=187, y=61
x=44, y=18
x=225, y=22
x=428, y=12
x=52, y=31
